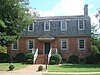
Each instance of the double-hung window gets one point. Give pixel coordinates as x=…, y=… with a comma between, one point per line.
x=81, y=44
x=15, y=45
x=47, y=26
x=30, y=44
x=64, y=26
x=81, y=25
x=31, y=27
x=64, y=44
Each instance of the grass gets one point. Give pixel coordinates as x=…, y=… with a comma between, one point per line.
x=70, y=74
x=74, y=68
x=5, y=66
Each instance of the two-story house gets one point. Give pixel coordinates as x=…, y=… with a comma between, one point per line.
x=69, y=34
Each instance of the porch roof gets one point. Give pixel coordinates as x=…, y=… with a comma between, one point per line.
x=46, y=38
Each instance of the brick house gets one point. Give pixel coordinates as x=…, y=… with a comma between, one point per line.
x=69, y=34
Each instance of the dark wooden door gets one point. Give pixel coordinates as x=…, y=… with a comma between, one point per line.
x=47, y=47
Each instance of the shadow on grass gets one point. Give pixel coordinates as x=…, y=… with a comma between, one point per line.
x=80, y=66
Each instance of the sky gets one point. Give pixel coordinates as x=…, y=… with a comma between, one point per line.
x=65, y=7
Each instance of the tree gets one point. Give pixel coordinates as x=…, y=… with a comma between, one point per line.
x=94, y=30
x=14, y=17
x=3, y=49
x=94, y=49
x=98, y=15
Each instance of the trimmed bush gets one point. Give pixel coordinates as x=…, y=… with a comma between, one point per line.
x=11, y=67
x=98, y=57
x=56, y=57
x=92, y=59
x=40, y=68
x=4, y=57
x=73, y=59
x=29, y=58
x=52, y=62
x=20, y=57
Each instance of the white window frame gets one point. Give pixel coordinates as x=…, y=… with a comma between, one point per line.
x=65, y=26
x=66, y=44
x=28, y=43
x=79, y=25
x=13, y=45
x=79, y=44
x=32, y=28
x=45, y=26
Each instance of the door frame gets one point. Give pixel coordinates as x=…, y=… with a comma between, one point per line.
x=44, y=46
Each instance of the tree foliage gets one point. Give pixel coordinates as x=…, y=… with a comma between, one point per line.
x=14, y=17
x=94, y=49
x=3, y=49
x=94, y=30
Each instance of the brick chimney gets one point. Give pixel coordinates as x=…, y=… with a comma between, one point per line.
x=86, y=9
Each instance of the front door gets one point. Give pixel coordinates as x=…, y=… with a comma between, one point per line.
x=47, y=47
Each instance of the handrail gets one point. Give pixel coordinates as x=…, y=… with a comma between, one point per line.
x=35, y=55
x=52, y=51
x=49, y=55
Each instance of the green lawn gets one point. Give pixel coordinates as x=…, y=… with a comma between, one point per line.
x=74, y=68
x=70, y=74
x=5, y=66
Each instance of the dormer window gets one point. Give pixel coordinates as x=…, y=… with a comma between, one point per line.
x=64, y=26
x=47, y=26
x=31, y=27
x=81, y=25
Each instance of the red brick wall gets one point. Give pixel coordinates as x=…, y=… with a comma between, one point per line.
x=72, y=46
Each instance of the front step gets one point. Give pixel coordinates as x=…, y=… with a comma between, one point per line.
x=41, y=59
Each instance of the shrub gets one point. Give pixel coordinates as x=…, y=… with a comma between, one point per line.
x=4, y=57
x=56, y=57
x=29, y=58
x=40, y=68
x=52, y=62
x=92, y=59
x=98, y=57
x=73, y=59
x=11, y=67
x=20, y=57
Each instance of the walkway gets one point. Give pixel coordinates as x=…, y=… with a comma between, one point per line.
x=32, y=70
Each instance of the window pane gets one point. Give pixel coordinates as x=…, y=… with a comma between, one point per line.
x=46, y=26
x=15, y=46
x=30, y=44
x=64, y=44
x=31, y=27
x=81, y=24
x=81, y=44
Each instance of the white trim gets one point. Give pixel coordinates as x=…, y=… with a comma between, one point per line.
x=45, y=26
x=17, y=45
x=66, y=44
x=79, y=44
x=79, y=25
x=65, y=26
x=32, y=28
x=28, y=43
x=54, y=20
